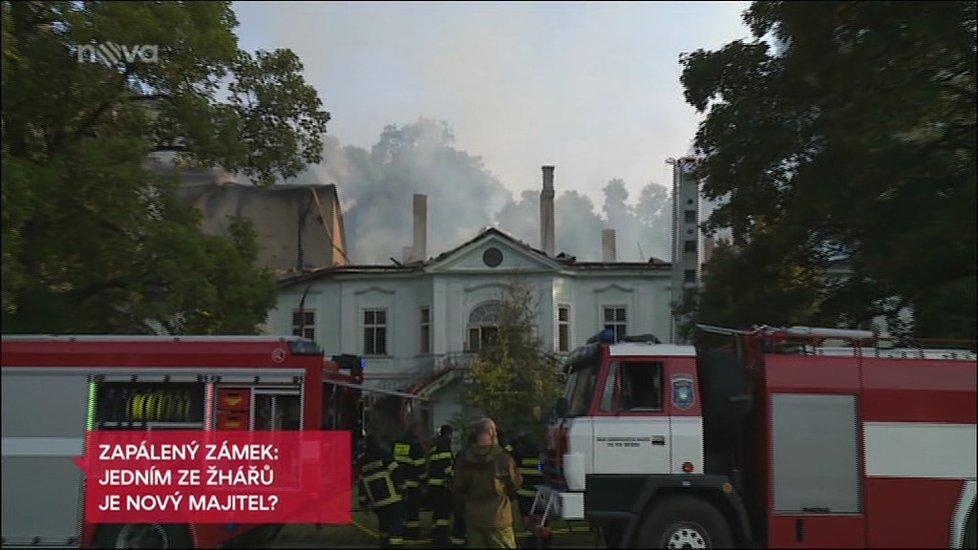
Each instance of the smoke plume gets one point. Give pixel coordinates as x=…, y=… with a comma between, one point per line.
x=376, y=189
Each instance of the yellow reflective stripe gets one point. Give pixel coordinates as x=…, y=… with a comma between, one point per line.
x=392, y=495
x=404, y=459
x=395, y=541
x=420, y=461
x=411, y=484
x=440, y=456
x=441, y=523
x=402, y=449
x=388, y=501
x=412, y=524
x=375, y=476
x=434, y=481
x=529, y=472
x=392, y=466
x=531, y=462
x=375, y=465
x=458, y=541
x=526, y=493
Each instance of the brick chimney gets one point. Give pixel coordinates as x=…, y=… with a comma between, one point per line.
x=419, y=250
x=547, y=211
x=608, y=247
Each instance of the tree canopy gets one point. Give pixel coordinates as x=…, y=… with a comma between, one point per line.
x=95, y=241
x=842, y=134
x=513, y=374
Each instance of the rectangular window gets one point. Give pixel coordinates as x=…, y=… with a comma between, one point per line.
x=690, y=216
x=580, y=389
x=689, y=276
x=616, y=319
x=689, y=246
x=641, y=386
x=375, y=332
x=304, y=323
x=425, y=330
x=608, y=394
x=563, y=328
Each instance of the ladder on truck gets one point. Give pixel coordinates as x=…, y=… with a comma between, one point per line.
x=838, y=342
x=550, y=504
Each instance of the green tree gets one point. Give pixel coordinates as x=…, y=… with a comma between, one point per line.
x=853, y=139
x=513, y=374
x=94, y=241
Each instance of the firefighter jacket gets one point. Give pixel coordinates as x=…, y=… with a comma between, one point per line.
x=440, y=463
x=409, y=454
x=485, y=480
x=381, y=480
x=527, y=457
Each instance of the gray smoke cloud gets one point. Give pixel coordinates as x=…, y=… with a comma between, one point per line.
x=376, y=189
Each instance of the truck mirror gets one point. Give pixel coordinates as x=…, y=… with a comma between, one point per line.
x=562, y=406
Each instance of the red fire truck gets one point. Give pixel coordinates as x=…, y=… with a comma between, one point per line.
x=786, y=438
x=56, y=388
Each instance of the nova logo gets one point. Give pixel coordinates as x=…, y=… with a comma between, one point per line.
x=112, y=54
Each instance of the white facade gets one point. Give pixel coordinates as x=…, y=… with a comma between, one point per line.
x=379, y=311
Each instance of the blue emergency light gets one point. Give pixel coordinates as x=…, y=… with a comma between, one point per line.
x=363, y=363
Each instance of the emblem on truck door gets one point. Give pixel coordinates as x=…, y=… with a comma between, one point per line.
x=683, y=395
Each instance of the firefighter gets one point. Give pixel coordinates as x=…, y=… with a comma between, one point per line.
x=381, y=489
x=459, y=534
x=527, y=457
x=440, y=463
x=486, y=478
x=410, y=455
x=508, y=446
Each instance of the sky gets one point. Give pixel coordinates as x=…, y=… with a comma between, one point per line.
x=591, y=88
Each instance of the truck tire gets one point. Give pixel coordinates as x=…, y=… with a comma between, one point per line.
x=684, y=522
x=162, y=536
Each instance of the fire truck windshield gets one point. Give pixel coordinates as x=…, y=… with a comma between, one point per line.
x=580, y=388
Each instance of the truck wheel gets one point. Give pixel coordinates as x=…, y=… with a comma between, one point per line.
x=684, y=522
x=142, y=535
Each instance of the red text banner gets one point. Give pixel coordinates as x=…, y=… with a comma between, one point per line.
x=217, y=477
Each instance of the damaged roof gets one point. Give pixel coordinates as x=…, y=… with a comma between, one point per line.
x=566, y=261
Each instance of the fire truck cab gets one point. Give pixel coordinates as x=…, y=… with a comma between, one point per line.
x=56, y=388
x=800, y=437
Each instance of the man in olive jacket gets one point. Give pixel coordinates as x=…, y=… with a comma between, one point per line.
x=486, y=478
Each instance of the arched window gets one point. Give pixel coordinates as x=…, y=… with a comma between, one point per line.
x=482, y=325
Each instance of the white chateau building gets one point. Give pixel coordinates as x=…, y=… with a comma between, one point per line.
x=418, y=323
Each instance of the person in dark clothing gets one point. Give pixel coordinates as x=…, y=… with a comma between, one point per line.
x=381, y=488
x=410, y=455
x=440, y=462
x=527, y=456
x=459, y=532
